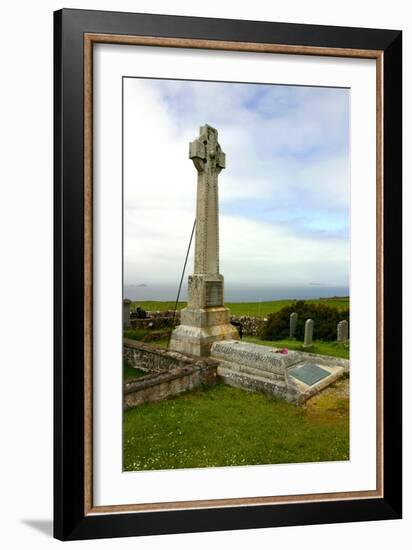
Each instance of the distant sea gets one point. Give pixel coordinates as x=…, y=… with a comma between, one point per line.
x=238, y=293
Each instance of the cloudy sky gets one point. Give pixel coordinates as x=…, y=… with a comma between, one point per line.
x=284, y=196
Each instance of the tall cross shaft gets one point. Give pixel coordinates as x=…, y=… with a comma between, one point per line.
x=209, y=160
x=205, y=319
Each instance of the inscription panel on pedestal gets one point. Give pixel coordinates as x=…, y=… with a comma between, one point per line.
x=214, y=293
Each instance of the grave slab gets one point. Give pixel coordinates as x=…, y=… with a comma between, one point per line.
x=294, y=376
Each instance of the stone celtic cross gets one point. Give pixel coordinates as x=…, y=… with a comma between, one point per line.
x=209, y=159
x=205, y=320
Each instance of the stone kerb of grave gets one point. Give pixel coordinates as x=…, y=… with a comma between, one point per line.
x=294, y=376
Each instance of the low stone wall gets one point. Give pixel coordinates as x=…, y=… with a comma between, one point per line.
x=149, y=358
x=161, y=314
x=251, y=326
x=154, y=322
x=169, y=373
x=157, y=320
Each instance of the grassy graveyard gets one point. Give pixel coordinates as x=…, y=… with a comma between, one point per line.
x=225, y=426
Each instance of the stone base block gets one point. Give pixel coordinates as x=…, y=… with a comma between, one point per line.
x=196, y=340
x=205, y=317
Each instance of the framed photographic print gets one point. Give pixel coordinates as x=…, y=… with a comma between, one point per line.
x=227, y=274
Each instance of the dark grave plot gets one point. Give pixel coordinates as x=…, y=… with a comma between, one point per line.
x=308, y=373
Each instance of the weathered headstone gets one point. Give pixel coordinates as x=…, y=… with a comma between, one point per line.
x=343, y=331
x=308, y=333
x=205, y=319
x=293, y=321
x=126, y=313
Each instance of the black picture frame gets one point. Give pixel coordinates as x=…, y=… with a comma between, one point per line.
x=71, y=521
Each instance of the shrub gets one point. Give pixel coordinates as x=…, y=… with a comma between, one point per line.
x=325, y=320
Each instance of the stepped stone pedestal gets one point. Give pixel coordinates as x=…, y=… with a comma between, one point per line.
x=294, y=376
x=205, y=320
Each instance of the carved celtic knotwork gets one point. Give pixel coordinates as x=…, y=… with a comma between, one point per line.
x=206, y=152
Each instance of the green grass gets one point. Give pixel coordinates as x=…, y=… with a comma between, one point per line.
x=129, y=372
x=225, y=426
x=253, y=309
x=139, y=334
x=322, y=348
x=135, y=333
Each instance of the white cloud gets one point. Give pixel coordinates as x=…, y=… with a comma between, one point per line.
x=160, y=187
x=266, y=254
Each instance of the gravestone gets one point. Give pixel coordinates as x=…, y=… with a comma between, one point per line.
x=205, y=319
x=308, y=333
x=293, y=321
x=126, y=313
x=343, y=331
